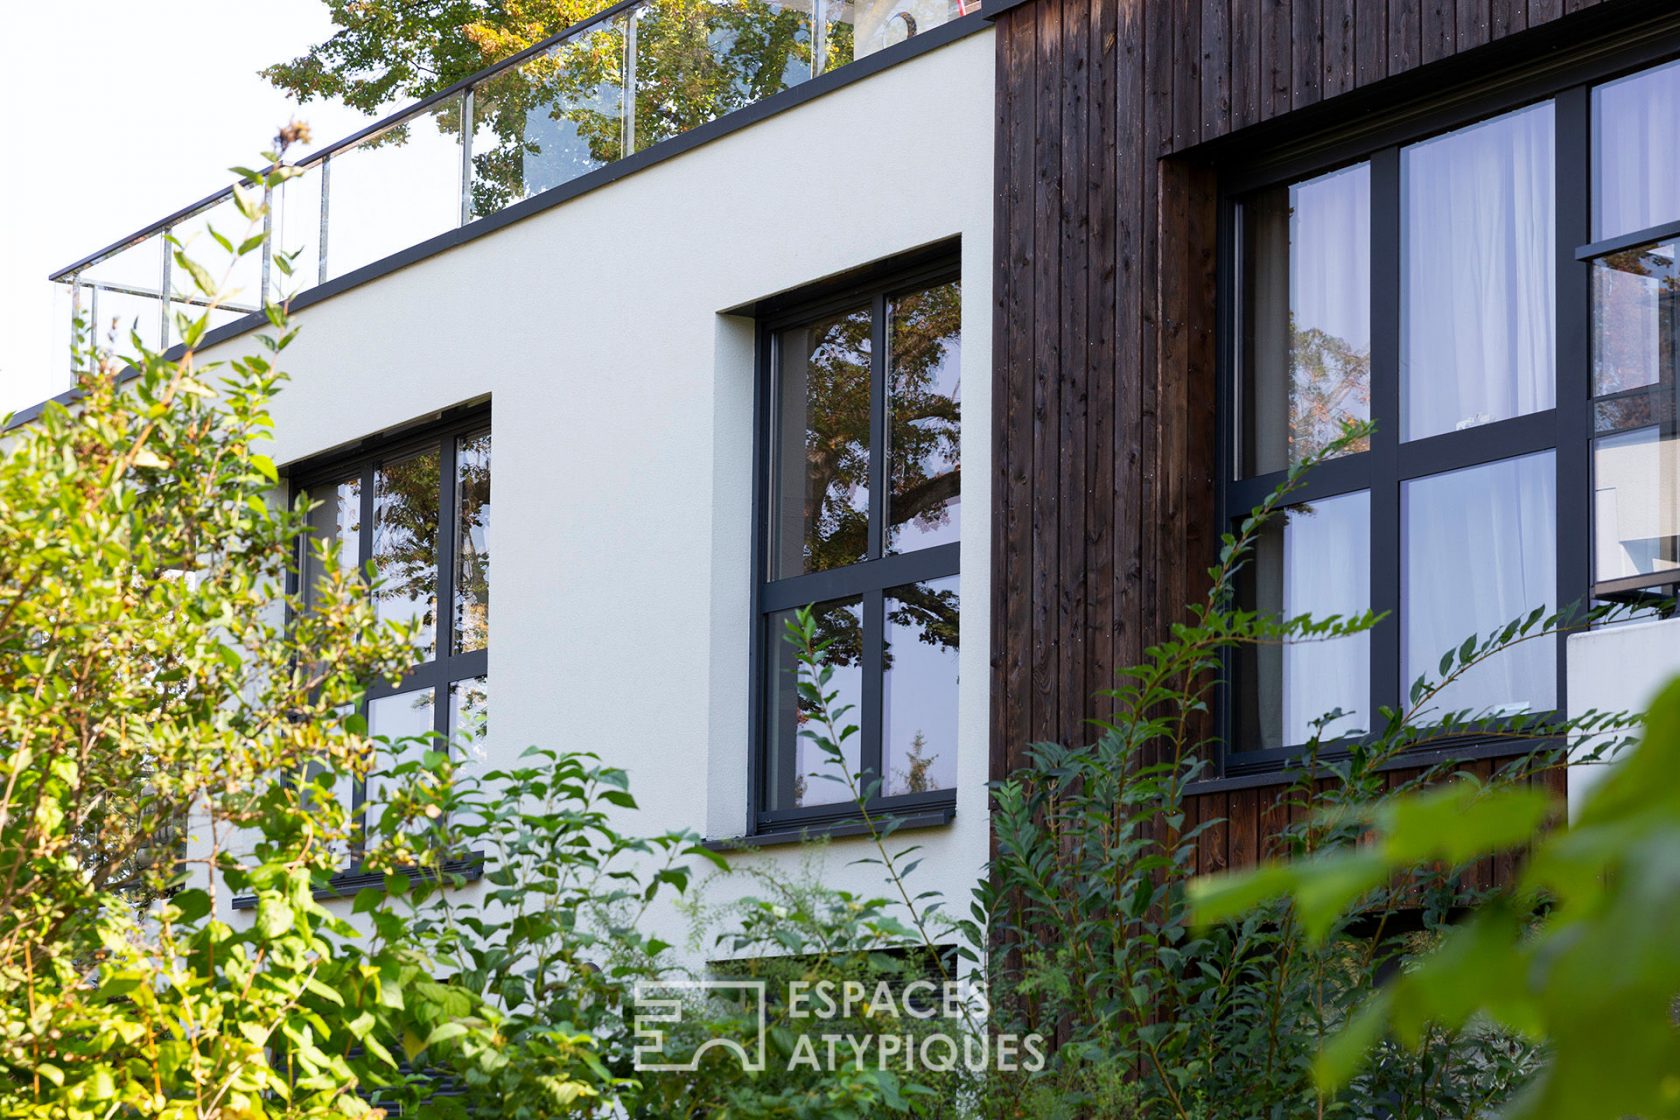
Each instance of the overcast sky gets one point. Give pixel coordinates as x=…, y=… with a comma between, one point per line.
x=118, y=112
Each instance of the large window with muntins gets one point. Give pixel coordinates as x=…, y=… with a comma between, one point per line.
x=1499, y=296
x=418, y=510
x=861, y=514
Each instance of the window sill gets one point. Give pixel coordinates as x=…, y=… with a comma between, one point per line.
x=347, y=884
x=932, y=817
x=1285, y=770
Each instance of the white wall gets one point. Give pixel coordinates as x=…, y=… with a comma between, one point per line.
x=622, y=416
x=1620, y=668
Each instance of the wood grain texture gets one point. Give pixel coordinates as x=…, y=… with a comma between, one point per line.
x=1104, y=328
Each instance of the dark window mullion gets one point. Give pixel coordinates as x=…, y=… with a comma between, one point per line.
x=877, y=426
x=364, y=554
x=1572, y=112
x=874, y=685
x=1386, y=591
x=445, y=628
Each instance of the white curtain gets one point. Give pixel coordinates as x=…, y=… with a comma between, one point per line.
x=1480, y=550
x=1327, y=551
x=1636, y=152
x=1477, y=275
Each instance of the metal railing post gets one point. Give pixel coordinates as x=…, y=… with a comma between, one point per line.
x=163, y=292
x=629, y=131
x=819, y=36
x=466, y=155
x=321, y=241
x=269, y=199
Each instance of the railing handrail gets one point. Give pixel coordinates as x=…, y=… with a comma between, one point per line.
x=391, y=120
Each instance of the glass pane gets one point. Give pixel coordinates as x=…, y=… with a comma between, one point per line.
x=839, y=45
x=1477, y=275
x=1636, y=504
x=1636, y=152
x=297, y=231
x=821, y=504
x=472, y=542
x=919, y=694
x=405, y=721
x=405, y=539
x=469, y=720
x=883, y=23
x=924, y=396
x=1315, y=560
x=798, y=773
x=394, y=189
x=1306, y=317
x=241, y=279
x=697, y=60
x=1480, y=550
x=1636, y=298
x=550, y=119
x=125, y=295
x=338, y=517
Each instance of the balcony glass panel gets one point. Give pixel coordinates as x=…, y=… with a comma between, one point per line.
x=124, y=294
x=1636, y=152
x=698, y=60
x=296, y=211
x=394, y=189
x=550, y=119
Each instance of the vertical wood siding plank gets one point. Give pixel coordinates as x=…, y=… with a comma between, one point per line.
x=1172, y=389
x=1160, y=57
x=1291, y=43
x=1216, y=68
x=1370, y=41
x=1306, y=52
x=1212, y=845
x=1102, y=169
x=1338, y=24
x=1474, y=17
x=1047, y=374
x=1017, y=40
x=1133, y=153
x=1249, y=82
x=1508, y=18
x=1405, y=35
x=1440, y=30
x=1244, y=832
x=1186, y=72
x=1073, y=391
x=1544, y=11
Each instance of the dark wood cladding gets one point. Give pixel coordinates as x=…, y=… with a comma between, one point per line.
x=1104, y=348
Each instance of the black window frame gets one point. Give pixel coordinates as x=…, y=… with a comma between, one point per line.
x=870, y=578
x=1567, y=81
x=446, y=668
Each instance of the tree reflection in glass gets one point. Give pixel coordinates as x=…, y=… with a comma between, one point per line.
x=924, y=389
x=919, y=694
x=405, y=540
x=799, y=773
x=338, y=518
x=472, y=542
x=822, y=480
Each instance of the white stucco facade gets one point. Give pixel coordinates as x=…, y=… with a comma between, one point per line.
x=622, y=407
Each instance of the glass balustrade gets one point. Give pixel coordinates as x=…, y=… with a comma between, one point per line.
x=620, y=83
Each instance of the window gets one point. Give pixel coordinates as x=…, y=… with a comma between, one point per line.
x=419, y=509
x=1500, y=295
x=861, y=516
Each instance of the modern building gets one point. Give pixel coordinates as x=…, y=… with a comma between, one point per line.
x=977, y=328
